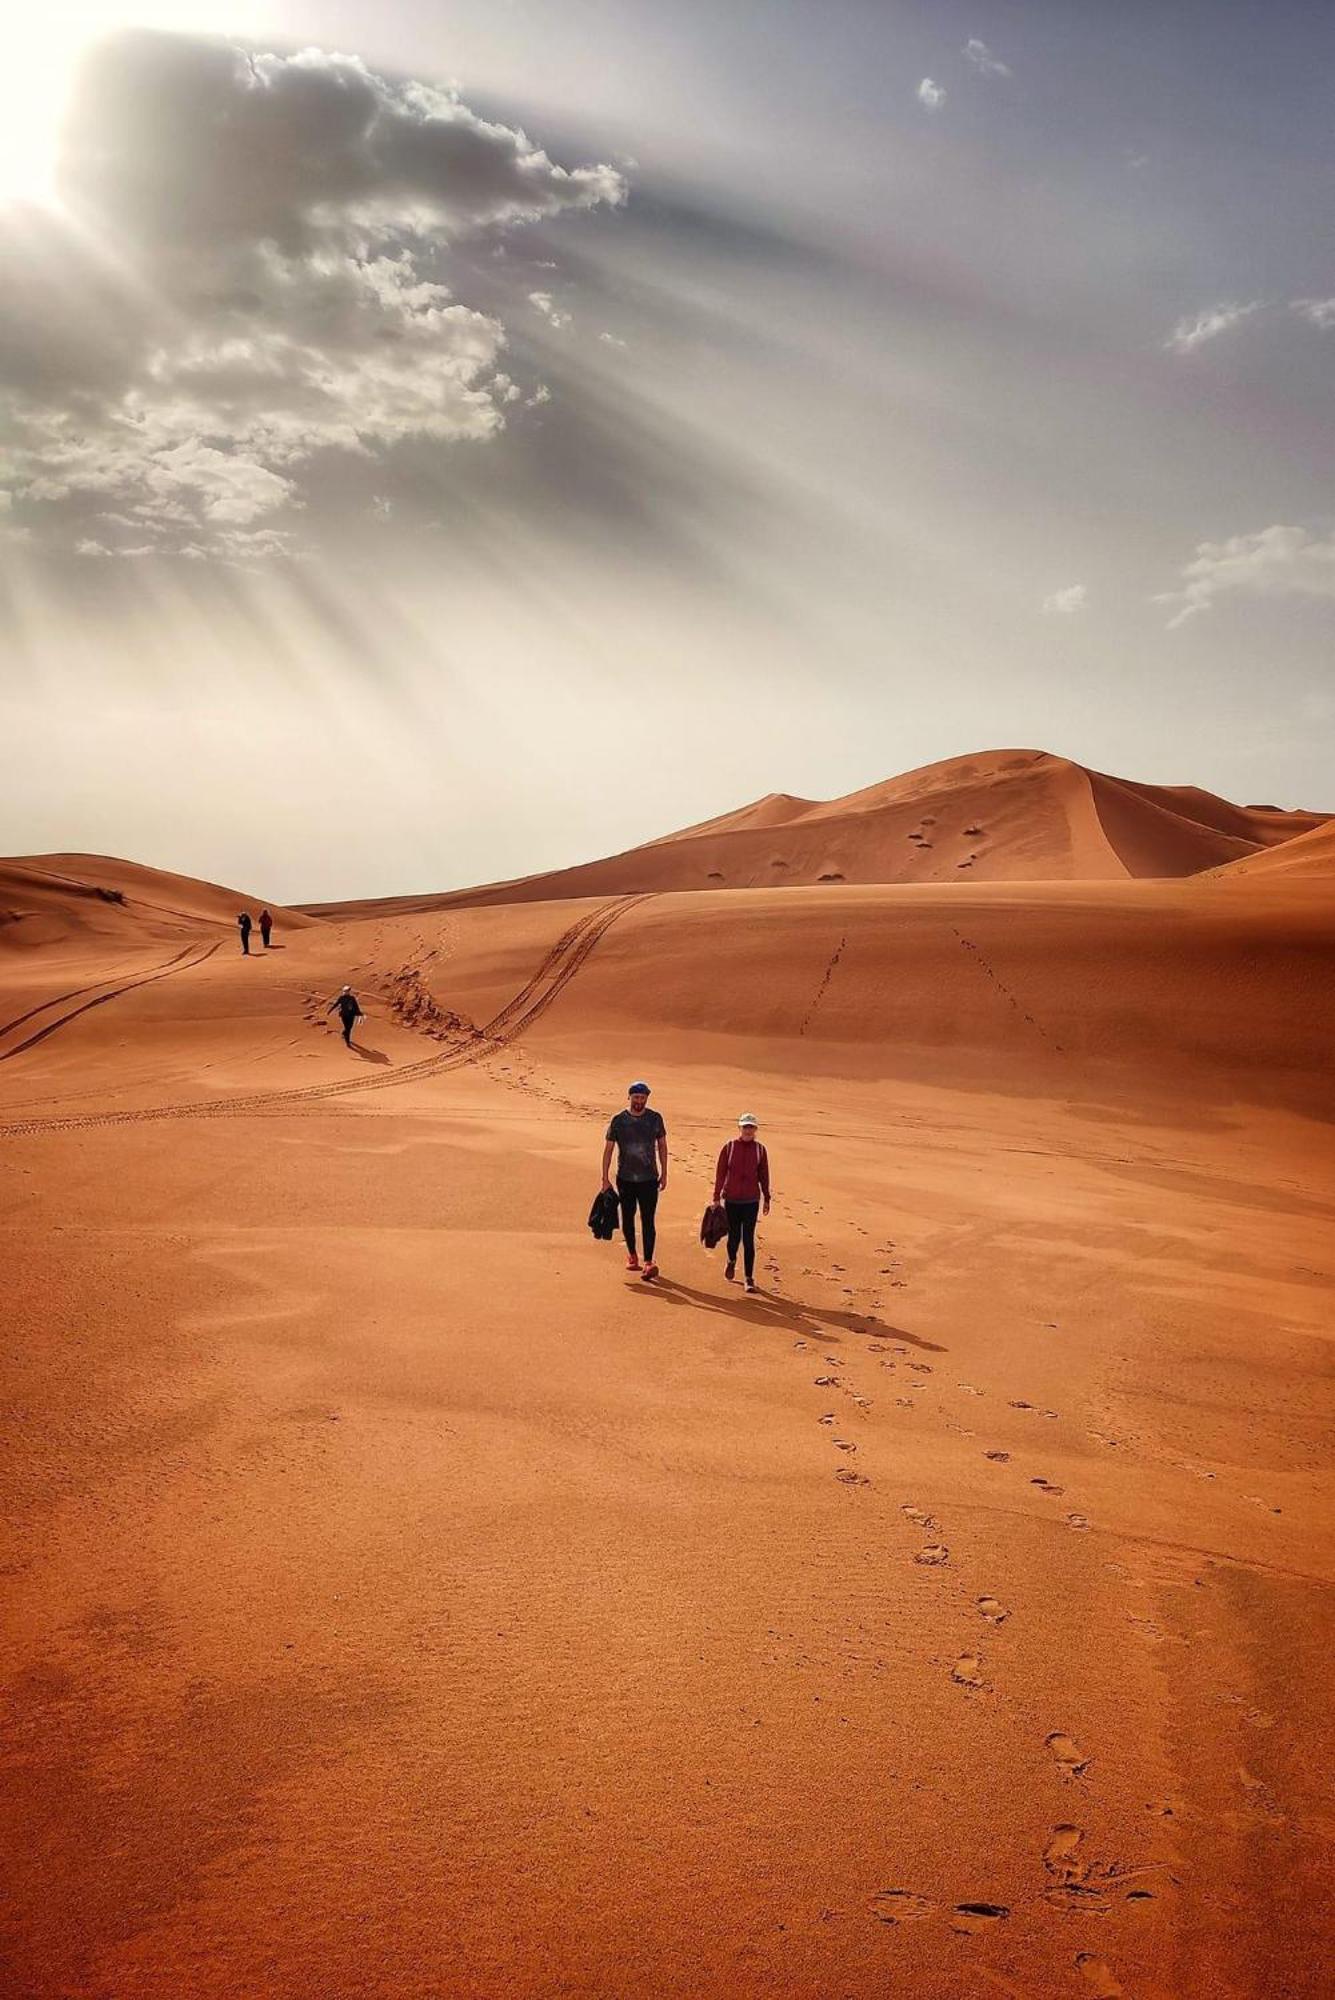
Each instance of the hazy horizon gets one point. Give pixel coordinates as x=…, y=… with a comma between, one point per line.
x=441, y=448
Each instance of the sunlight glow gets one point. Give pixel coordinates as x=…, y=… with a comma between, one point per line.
x=41, y=55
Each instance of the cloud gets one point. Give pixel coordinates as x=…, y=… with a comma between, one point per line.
x=1277, y=562
x=1067, y=602
x=1321, y=312
x=251, y=271
x=983, y=60
x=930, y=95
x=287, y=148
x=1189, y=334
x=544, y=303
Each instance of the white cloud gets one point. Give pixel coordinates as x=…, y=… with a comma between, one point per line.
x=611, y=339
x=1277, y=562
x=983, y=60
x=1189, y=334
x=1321, y=312
x=1067, y=602
x=544, y=303
x=204, y=329
x=930, y=95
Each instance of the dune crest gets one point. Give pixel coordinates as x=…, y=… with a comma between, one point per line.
x=57, y=898
x=997, y=816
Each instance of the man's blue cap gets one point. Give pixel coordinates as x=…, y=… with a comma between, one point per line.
x=632, y=1088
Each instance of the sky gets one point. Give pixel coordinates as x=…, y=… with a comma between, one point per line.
x=448, y=439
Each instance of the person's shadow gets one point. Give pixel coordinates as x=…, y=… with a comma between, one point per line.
x=776, y=1312
x=368, y=1055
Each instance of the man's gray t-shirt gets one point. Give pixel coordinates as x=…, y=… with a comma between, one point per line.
x=636, y=1140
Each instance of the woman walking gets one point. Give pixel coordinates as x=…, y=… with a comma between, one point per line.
x=741, y=1183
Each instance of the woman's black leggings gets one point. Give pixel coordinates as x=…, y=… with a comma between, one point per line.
x=644, y=1196
x=742, y=1229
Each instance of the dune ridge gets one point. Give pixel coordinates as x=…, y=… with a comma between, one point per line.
x=998, y=816
x=50, y=898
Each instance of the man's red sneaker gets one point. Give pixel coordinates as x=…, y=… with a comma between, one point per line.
x=632, y=1262
x=650, y=1273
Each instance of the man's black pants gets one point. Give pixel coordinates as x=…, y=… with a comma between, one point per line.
x=742, y=1230
x=641, y=1195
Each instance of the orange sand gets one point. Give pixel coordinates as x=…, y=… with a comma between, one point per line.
x=403, y=1603
x=1005, y=816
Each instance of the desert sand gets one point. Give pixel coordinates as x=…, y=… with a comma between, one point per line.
x=1007, y=816
x=402, y=1601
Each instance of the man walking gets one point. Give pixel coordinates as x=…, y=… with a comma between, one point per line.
x=741, y=1182
x=640, y=1139
x=266, y=925
x=243, y=925
x=349, y=1012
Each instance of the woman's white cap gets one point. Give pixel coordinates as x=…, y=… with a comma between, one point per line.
x=748, y=1118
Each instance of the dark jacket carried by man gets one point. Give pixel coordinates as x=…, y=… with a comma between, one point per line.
x=605, y=1215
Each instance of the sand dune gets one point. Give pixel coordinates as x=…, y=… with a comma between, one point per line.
x=403, y=1601
x=48, y=897
x=1309, y=855
x=1004, y=816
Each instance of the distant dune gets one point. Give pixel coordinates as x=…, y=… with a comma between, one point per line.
x=1309, y=855
x=1001, y=816
x=54, y=898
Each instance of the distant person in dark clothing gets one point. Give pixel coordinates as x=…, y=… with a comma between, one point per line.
x=640, y=1139
x=243, y=925
x=266, y=925
x=349, y=1012
x=741, y=1183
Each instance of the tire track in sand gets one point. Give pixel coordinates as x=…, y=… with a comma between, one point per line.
x=100, y=1000
x=555, y=972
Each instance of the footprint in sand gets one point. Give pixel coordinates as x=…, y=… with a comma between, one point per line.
x=917, y=1516
x=993, y=1610
x=970, y=1918
x=934, y=1556
x=1099, y=1976
x=1071, y=1759
x=1079, y=1899
x=843, y=1444
x=851, y=1478
x=828, y=1418
x=901, y=1906
x=968, y=1389
x=968, y=1671
x=1046, y=1486
x=828, y=1382
x=998, y=1457
x=1080, y=1522
x=921, y=1367
x=1061, y=1856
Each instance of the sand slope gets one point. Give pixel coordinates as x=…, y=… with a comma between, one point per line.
x=1309, y=855
x=1005, y=816
x=402, y=1602
x=47, y=897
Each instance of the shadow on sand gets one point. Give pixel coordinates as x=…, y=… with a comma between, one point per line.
x=368, y=1055
x=776, y=1312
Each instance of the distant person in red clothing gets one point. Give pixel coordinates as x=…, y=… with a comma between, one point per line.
x=266, y=926
x=741, y=1183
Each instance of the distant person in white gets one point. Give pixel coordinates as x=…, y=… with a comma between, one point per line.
x=349, y=1012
